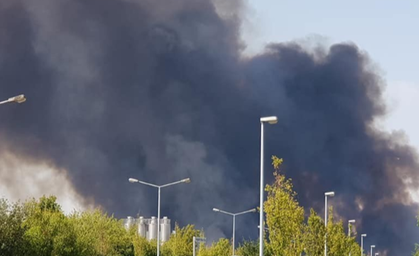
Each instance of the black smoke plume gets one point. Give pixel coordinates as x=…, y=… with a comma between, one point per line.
x=160, y=91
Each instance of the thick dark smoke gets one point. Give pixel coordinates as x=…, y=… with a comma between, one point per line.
x=158, y=90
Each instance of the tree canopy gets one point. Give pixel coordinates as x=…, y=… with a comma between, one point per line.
x=40, y=228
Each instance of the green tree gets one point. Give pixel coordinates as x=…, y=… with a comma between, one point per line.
x=353, y=247
x=220, y=248
x=284, y=215
x=142, y=247
x=337, y=240
x=101, y=235
x=11, y=230
x=48, y=231
x=416, y=253
x=314, y=235
x=181, y=242
x=248, y=248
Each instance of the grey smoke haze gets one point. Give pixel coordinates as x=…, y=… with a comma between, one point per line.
x=158, y=90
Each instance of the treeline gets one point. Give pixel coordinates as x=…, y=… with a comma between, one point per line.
x=40, y=228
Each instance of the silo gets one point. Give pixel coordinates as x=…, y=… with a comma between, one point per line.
x=129, y=221
x=141, y=227
x=152, y=229
x=165, y=229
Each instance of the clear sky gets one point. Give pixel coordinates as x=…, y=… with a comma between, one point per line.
x=388, y=30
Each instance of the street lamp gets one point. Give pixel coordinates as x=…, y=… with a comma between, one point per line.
x=18, y=99
x=350, y=222
x=331, y=194
x=362, y=243
x=131, y=180
x=376, y=254
x=372, y=246
x=234, y=221
x=269, y=120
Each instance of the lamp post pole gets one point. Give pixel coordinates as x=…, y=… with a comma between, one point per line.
x=158, y=222
x=234, y=235
x=349, y=232
x=270, y=120
x=331, y=194
x=194, y=246
x=372, y=246
x=234, y=221
x=362, y=243
x=158, y=202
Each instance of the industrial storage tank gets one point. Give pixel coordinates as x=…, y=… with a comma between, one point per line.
x=129, y=222
x=148, y=227
x=152, y=229
x=142, y=231
x=165, y=229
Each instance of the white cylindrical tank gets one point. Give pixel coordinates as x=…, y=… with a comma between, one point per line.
x=165, y=229
x=152, y=229
x=141, y=227
x=129, y=222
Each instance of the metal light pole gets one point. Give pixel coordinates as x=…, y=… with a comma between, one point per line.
x=270, y=120
x=372, y=246
x=362, y=243
x=234, y=221
x=18, y=99
x=349, y=231
x=331, y=194
x=187, y=180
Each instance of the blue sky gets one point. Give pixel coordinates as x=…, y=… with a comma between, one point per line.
x=387, y=30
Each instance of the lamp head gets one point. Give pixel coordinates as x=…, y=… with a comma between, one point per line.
x=372, y=246
x=18, y=99
x=364, y=235
x=187, y=180
x=269, y=119
x=131, y=180
x=331, y=193
x=376, y=254
x=215, y=209
x=254, y=210
x=352, y=221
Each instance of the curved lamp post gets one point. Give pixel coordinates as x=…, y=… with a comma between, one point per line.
x=234, y=221
x=187, y=180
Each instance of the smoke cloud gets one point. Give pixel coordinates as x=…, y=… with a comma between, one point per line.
x=159, y=90
x=21, y=180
